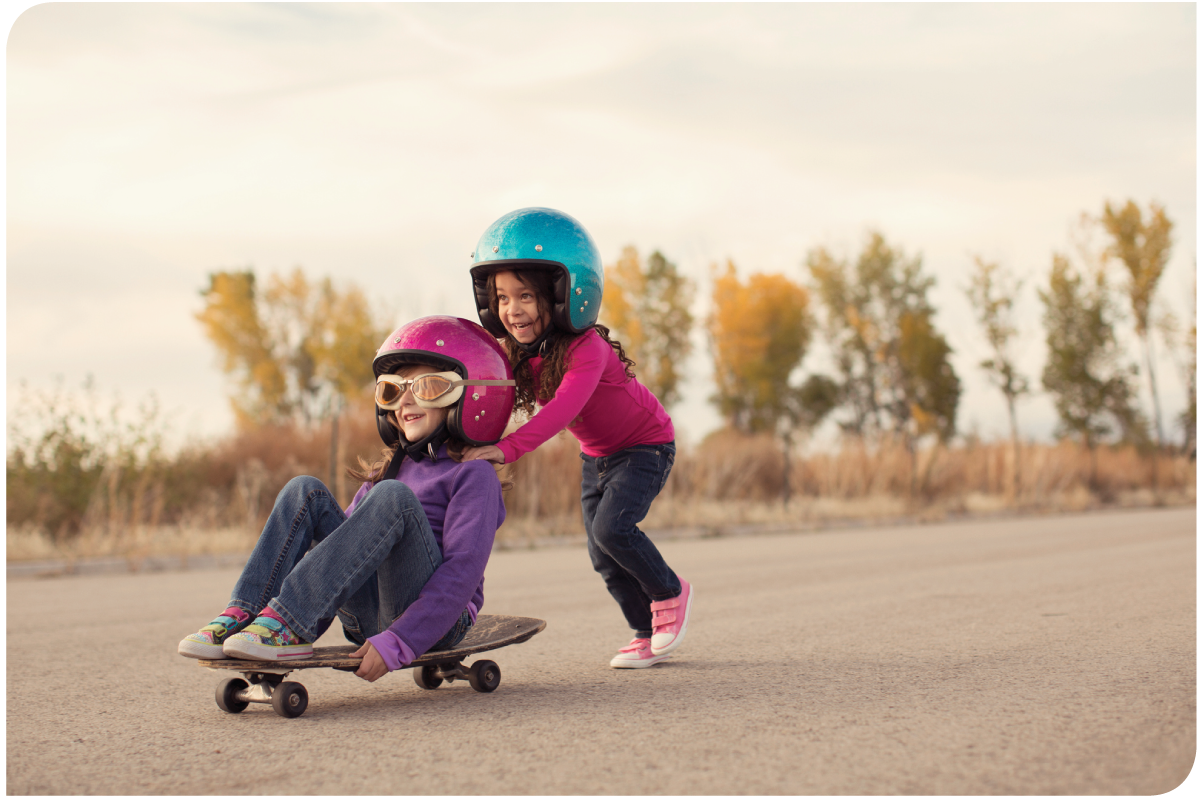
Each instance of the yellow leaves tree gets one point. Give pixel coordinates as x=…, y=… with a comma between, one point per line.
x=649, y=310
x=760, y=331
x=297, y=348
x=1143, y=245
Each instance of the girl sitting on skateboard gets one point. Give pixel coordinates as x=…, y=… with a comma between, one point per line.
x=538, y=282
x=402, y=567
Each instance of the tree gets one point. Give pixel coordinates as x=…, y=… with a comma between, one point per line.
x=760, y=331
x=649, y=310
x=1092, y=389
x=1144, y=247
x=299, y=349
x=1181, y=343
x=809, y=404
x=894, y=365
x=1187, y=417
x=993, y=294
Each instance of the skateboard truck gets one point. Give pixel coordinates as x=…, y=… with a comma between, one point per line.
x=290, y=699
x=484, y=675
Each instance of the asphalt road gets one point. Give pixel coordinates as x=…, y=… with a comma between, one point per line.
x=1036, y=656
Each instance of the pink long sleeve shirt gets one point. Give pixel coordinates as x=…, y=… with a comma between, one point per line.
x=595, y=401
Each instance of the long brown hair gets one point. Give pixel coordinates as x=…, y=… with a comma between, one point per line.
x=374, y=472
x=554, y=360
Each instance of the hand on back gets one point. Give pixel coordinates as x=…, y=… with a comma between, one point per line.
x=489, y=453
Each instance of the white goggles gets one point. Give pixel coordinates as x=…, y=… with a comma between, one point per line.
x=436, y=390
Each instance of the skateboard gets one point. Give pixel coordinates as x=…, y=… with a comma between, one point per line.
x=263, y=680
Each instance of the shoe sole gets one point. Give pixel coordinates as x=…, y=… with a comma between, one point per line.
x=644, y=663
x=241, y=648
x=678, y=639
x=195, y=649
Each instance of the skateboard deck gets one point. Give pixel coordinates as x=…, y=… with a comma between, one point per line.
x=264, y=679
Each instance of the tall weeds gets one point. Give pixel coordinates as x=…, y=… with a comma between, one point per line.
x=82, y=481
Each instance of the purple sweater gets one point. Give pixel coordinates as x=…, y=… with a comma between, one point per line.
x=464, y=506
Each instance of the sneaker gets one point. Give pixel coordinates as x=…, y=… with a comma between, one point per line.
x=207, y=643
x=670, y=618
x=636, y=655
x=267, y=639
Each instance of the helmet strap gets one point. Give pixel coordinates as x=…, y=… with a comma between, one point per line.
x=537, y=347
x=428, y=446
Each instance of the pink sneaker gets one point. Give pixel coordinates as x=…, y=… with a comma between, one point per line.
x=670, y=618
x=636, y=655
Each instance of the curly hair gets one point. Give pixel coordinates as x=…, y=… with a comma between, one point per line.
x=554, y=361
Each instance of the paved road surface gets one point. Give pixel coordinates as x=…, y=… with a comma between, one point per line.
x=1039, y=656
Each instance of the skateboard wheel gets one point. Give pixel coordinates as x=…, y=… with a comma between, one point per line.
x=290, y=699
x=427, y=677
x=227, y=691
x=484, y=676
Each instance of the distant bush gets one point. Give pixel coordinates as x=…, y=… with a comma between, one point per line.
x=69, y=463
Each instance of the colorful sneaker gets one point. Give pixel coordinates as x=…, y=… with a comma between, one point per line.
x=207, y=643
x=670, y=618
x=267, y=638
x=636, y=655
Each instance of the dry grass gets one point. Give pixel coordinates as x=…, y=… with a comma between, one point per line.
x=725, y=483
x=30, y=544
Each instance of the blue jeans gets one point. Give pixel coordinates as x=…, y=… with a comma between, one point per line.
x=312, y=562
x=617, y=492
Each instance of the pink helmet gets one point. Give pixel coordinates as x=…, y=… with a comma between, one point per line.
x=449, y=344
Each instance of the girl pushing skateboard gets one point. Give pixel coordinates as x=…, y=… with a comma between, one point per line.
x=402, y=567
x=538, y=283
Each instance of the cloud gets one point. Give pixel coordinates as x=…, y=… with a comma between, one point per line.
x=150, y=144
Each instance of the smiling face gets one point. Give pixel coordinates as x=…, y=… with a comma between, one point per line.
x=416, y=422
x=517, y=306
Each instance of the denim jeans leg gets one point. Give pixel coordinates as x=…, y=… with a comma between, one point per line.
x=305, y=513
x=394, y=586
x=348, y=558
x=616, y=495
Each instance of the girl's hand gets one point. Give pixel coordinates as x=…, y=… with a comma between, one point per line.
x=489, y=453
x=372, y=667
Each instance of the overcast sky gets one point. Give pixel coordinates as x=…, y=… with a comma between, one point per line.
x=150, y=144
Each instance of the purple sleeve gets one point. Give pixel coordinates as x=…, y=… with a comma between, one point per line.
x=395, y=653
x=475, y=510
x=585, y=368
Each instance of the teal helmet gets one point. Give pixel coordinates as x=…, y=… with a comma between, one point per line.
x=542, y=238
